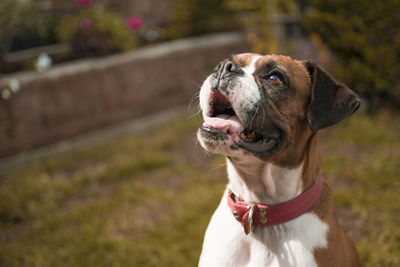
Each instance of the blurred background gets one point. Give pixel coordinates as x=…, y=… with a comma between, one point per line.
x=99, y=164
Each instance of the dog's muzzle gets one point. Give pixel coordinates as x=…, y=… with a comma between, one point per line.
x=224, y=123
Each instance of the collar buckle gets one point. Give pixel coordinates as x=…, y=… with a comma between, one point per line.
x=249, y=225
x=250, y=215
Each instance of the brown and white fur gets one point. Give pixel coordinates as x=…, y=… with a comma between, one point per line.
x=286, y=101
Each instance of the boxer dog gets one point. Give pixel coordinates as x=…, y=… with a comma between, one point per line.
x=263, y=113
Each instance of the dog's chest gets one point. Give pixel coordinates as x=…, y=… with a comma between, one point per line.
x=289, y=244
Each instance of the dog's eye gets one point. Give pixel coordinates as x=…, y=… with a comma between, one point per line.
x=275, y=80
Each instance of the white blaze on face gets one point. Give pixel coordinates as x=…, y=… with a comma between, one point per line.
x=246, y=94
x=249, y=69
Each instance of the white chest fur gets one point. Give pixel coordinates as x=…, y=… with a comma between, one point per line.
x=288, y=244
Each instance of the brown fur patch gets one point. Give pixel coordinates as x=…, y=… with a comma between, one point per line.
x=340, y=251
x=301, y=146
x=292, y=111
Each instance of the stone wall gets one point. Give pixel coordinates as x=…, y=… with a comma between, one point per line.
x=79, y=97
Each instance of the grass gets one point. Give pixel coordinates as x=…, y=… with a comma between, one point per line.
x=146, y=200
x=362, y=158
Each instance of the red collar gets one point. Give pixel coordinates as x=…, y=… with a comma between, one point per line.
x=251, y=215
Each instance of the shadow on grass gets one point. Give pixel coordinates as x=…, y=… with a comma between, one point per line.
x=146, y=200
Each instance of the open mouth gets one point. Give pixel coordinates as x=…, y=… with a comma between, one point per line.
x=223, y=123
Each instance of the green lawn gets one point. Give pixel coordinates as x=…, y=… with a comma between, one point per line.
x=146, y=200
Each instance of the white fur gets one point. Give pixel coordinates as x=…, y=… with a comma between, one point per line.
x=274, y=185
x=288, y=244
x=204, y=96
x=252, y=66
x=247, y=88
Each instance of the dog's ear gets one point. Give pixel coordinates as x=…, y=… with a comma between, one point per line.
x=330, y=101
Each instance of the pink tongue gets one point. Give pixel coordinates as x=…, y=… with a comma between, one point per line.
x=223, y=121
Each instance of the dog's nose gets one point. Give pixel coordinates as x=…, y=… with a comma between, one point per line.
x=228, y=68
x=231, y=67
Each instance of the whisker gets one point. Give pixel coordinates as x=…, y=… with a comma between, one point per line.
x=263, y=112
x=196, y=84
x=218, y=167
x=195, y=114
x=195, y=97
x=254, y=116
x=206, y=153
x=196, y=141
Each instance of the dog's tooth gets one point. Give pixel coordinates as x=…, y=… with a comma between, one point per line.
x=226, y=129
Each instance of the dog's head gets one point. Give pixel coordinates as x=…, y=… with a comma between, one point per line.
x=267, y=106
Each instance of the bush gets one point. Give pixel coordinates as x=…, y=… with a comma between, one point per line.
x=196, y=17
x=365, y=37
x=255, y=16
x=95, y=32
x=21, y=24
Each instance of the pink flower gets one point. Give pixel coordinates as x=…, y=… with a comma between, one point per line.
x=85, y=24
x=83, y=2
x=134, y=23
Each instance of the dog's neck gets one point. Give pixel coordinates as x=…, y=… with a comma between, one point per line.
x=264, y=182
